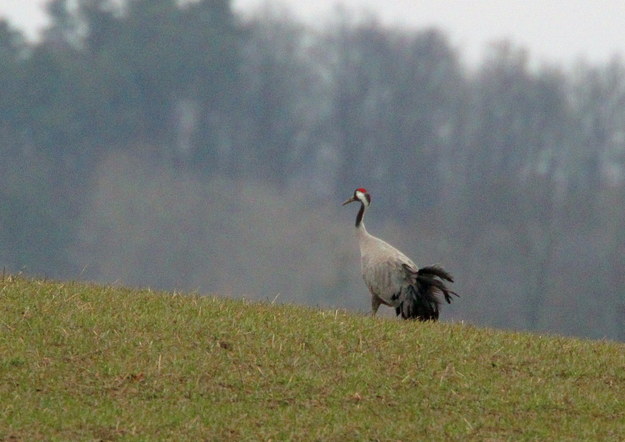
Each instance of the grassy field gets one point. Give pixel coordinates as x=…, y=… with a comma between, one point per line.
x=88, y=362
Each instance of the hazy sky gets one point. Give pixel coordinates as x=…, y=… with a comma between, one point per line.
x=552, y=30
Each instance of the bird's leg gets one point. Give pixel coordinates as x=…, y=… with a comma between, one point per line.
x=375, y=305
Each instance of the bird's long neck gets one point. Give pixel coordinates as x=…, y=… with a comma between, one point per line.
x=361, y=232
x=360, y=223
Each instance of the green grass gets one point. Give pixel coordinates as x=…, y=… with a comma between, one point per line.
x=82, y=361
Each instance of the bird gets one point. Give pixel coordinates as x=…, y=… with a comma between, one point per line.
x=393, y=279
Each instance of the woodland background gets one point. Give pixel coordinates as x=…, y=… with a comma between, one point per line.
x=182, y=147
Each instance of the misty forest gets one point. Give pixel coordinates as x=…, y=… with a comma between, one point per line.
x=180, y=146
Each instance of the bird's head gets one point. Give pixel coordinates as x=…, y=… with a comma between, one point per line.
x=361, y=195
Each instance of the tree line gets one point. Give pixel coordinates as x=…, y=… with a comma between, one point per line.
x=511, y=173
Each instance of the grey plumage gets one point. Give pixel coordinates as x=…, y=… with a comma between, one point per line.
x=393, y=279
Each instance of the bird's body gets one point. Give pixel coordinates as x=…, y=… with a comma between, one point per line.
x=393, y=279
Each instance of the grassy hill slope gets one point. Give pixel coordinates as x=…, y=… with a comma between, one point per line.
x=82, y=361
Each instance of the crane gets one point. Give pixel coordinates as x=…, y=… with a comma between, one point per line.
x=392, y=278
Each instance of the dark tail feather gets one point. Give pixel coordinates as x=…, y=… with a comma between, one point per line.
x=420, y=301
x=436, y=271
x=428, y=275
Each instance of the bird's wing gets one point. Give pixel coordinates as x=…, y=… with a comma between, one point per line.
x=388, y=278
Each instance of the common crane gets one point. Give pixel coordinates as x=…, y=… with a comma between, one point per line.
x=393, y=279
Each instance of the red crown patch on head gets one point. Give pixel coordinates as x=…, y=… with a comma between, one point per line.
x=361, y=190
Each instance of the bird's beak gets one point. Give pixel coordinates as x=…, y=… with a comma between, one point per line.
x=351, y=200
